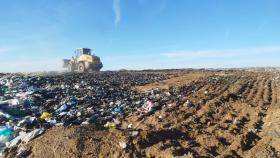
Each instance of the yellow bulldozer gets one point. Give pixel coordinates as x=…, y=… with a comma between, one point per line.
x=83, y=61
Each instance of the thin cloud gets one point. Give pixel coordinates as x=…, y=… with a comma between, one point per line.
x=5, y=50
x=221, y=53
x=117, y=11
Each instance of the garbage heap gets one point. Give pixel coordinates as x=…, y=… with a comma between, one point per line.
x=30, y=104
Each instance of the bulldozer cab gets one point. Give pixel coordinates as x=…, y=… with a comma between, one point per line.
x=82, y=51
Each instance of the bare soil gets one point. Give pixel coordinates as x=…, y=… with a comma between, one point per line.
x=175, y=80
x=234, y=114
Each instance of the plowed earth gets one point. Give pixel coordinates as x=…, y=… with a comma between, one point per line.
x=233, y=114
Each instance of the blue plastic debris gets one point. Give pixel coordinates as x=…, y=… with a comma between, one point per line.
x=118, y=109
x=5, y=131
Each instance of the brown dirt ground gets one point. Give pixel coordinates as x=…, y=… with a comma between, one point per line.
x=174, y=80
x=78, y=141
x=238, y=117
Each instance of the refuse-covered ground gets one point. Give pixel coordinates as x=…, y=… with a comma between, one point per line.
x=167, y=113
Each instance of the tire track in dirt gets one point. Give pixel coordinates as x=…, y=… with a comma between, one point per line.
x=263, y=99
x=251, y=131
x=206, y=125
x=228, y=135
x=210, y=92
x=228, y=94
x=195, y=97
x=260, y=91
x=225, y=121
x=231, y=96
x=186, y=121
x=251, y=84
x=268, y=92
x=245, y=123
x=268, y=145
x=274, y=99
x=253, y=91
x=194, y=123
x=215, y=91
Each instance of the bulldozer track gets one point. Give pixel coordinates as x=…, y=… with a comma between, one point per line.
x=227, y=120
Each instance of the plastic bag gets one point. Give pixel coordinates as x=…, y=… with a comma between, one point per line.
x=45, y=115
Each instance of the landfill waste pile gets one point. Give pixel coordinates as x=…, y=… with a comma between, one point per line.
x=167, y=113
x=31, y=104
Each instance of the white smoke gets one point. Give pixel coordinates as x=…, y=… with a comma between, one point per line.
x=117, y=11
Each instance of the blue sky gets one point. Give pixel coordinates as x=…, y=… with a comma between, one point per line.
x=35, y=35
